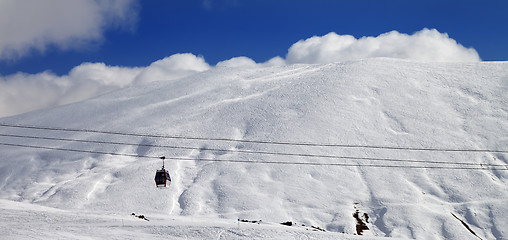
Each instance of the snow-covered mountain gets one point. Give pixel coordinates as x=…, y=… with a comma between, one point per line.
x=429, y=193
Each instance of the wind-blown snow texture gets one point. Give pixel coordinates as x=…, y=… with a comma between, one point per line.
x=371, y=102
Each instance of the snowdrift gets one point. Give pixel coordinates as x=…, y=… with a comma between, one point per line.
x=408, y=193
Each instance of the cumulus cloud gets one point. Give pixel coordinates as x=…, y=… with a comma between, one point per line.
x=237, y=62
x=427, y=45
x=424, y=45
x=34, y=25
x=23, y=92
x=276, y=61
x=245, y=62
x=173, y=67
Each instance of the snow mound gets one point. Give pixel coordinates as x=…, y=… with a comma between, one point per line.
x=376, y=102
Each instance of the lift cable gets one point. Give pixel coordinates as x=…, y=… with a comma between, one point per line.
x=505, y=167
x=252, y=151
x=253, y=141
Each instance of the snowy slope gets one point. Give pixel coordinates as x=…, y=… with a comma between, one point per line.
x=381, y=102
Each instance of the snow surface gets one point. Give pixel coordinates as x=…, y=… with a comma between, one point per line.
x=51, y=194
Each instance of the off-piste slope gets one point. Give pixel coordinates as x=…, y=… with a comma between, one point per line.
x=378, y=102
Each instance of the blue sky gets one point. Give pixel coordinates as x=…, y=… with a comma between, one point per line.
x=262, y=29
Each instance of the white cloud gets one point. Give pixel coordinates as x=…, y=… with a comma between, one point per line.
x=424, y=45
x=23, y=92
x=245, y=62
x=276, y=61
x=237, y=62
x=91, y=79
x=173, y=67
x=27, y=25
